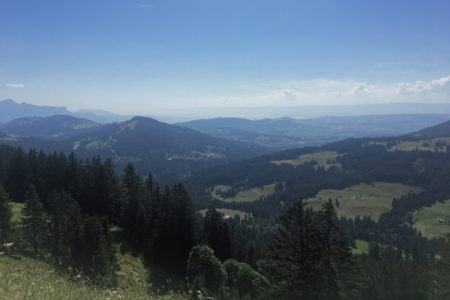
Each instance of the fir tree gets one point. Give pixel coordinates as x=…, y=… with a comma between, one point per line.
x=296, y=253
x=217, y=233
x=336, y=251
x=33, y=219
x=5, y=216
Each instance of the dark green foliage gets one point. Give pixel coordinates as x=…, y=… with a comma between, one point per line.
x=204, y=271
x=442, y=271
x=171, y=233
x=217, y=234
x=389, y=277
x=5, y=216
x=336, y=251
x=242, y=281
x=81, y=241
x=99, y=253
x=33, y=220
x=308, y=253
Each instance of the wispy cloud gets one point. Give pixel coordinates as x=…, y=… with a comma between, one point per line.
x=144, y=5
x=335, y=92
x=15, y=85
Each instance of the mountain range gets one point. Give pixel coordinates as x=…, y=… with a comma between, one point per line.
x=285, y=133
x=164, y=149
x=10, y=110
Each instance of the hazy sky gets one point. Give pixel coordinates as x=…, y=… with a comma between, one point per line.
x=148, y=56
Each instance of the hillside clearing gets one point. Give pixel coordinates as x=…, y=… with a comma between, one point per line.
x=229, y=212
x=431, y=220
x=16, y=209
x=249, y=195
x=362, y=247
x=363, y=199
x=325, y=159
x=28, y=278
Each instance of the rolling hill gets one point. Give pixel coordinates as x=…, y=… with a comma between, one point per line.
x=437, y=131
x=164, y=149
x=365, y=177
x=284, y=133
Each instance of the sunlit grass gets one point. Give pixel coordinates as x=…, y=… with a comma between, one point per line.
x=363, y=199
x=229, y=212
x=249, y=195
x=431, y=220
x=325, y=159
x=362, y=247
x=16, y=209
x=28, y=278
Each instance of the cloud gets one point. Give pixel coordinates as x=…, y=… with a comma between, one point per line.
x=15, y=85
x=325, y=91
x=144, y=5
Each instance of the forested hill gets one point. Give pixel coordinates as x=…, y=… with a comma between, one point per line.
x=388, y=180
x=166, y=150
x=56, y=127
x=440, y=130
x=285, y=133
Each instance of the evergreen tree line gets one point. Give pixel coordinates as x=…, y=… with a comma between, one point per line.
x=71, y=205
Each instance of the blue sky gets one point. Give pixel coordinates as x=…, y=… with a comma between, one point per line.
x=147, y=56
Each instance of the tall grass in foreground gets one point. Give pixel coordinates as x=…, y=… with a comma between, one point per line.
x=27, y=278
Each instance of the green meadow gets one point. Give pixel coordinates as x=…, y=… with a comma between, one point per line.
x=249, y=195
x=431, y=221
x=363, y=199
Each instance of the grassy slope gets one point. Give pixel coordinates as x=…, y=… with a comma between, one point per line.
x=427, y=220
x=362, y=247
x=363, y=199
x=16, y=211
x=249, y=195
x=23, y=277
x=321, y=157
x=228, y=212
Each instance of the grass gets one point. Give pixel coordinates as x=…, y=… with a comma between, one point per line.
x=16, y=209
x=363, y=199
x=23, y=277
x=429, y=220
x=362, y=247
x=28, y=278
x=229, y=212
x=325, y=159
x=249, y=195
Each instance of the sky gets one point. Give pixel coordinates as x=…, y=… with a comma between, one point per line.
x=151, y=56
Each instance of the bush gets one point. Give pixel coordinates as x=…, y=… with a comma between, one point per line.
x=204, y=270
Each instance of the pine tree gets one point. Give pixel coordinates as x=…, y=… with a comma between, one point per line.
x=33, y=219
x=5, y=216
x=58, y=213
x=336, y=250
x=134, y=193
x=296, y=254
x=217, y=234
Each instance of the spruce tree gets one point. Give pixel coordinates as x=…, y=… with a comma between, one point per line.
x=295, y=252
x=335, y=250
x=217, y=234
x=33, y=219
x=5, y=216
